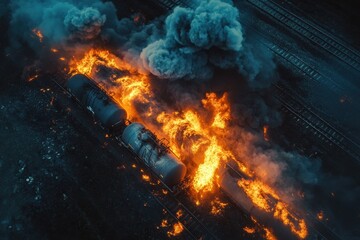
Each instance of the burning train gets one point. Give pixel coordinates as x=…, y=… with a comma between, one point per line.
x=162, y=161
x=156, y=155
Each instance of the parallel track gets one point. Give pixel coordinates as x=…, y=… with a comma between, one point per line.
x=320, y=127
x=309, y=31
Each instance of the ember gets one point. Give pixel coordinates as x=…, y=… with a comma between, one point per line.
x=176, y=230
x=38, y=34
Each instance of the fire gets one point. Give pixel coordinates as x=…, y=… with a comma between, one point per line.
x=257, y=191
x=195, y=132
x=269, y=235
x=38, y=34
x=320, y=215
x=266, y=133
x=127, y=90
x=145, y=177
x=220, y=106
x=54, y=50
x=206, y=171
x=217, y=207
x=164, y=223
x=297, y=226
x=198, y=137
x=179, y=213
x=32, y=78
x=176, y=230
x=265, y=198
x=249, y=230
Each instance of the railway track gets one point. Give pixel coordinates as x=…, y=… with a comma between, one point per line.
x=309, y=31
x=299, y=110
x=169, y=200
x=318, y=126
x=170, y=4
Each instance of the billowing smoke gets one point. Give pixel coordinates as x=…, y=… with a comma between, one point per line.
x=84, y=24
x=200, y=39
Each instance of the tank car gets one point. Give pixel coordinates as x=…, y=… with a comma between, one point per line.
x=162, y=161
x=103, y=107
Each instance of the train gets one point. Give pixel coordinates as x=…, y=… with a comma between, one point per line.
x=111, y=116
x=153, y=153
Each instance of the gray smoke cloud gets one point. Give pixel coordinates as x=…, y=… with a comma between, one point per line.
x=200, y=39
x=84, y=24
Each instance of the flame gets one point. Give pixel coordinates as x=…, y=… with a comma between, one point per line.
x=145, y=177
x=195, y=132
x=164, y=223
x=269, y=235
x=320, y=215
x=264, y=197
x=266, y=133
x=220, y=106
x=179, y=213
x=249, y=230
x=176, y=230
x=38, y=34
x=32, y=78
x=217, y=207
x=126, y=90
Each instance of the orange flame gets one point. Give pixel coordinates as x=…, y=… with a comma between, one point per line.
x=38, y=34
x=266, y=133
x=217, y=207
x=176, y=230
x=249, y=230
x=195, y=132
x=264, y=197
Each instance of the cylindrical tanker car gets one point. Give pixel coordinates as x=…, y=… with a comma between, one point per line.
x=105, y=110
x=135, y=136
x=163, y=162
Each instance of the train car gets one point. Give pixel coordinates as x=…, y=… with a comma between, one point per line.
x=156, y=156
x=141, y=141
x=88, y=94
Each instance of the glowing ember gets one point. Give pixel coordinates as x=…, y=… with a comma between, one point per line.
x=32, y=78
x=269, y=235
x=320, y=215
x=38, y=34
x=164, y=223
x=249, y=230
x=62, y=59
x=145, y=177
x=217, y=207
x=266, y=133
x=176, y=230
x=54, y=50
x=179, y=213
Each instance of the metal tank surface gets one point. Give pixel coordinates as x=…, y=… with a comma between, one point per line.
x=96, y=101
x=164, y=163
